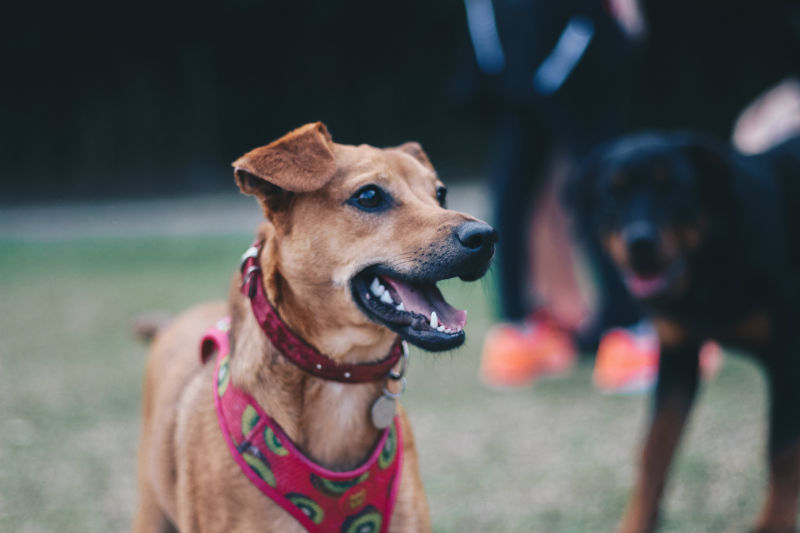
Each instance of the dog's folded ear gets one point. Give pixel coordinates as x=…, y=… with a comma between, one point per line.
x=300, y=161
x=711, y=160
x=577, y=193
x=414, y=149
x=708, y=156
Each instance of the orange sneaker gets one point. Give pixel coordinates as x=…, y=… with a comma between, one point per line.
x=627, y=360
x=516, y=356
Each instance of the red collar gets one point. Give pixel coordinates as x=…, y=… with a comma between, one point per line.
x=293, y=347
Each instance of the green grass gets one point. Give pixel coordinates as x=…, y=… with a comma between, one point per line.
x=554, y=457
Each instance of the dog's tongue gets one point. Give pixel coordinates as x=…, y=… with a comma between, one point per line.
x=643, y=287
x=423, y=299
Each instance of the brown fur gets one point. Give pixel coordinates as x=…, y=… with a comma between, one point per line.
x=754, y=331
x=313, y=244
x=670, y=333
x=660, y=444
x=300, y=161
x=779, y=512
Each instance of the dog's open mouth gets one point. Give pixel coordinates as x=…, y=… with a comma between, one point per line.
x=415, y=310
x=652, y=284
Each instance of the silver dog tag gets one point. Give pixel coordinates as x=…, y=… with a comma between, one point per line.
x=383, y=411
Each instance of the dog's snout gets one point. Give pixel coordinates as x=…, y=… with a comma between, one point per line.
x=641, y=240
x=476, y=236
x=640, y=237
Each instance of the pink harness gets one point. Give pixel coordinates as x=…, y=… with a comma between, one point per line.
x=358, y=501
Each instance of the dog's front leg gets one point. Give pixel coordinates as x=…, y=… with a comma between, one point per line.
x=779, y=513
x=675, y=392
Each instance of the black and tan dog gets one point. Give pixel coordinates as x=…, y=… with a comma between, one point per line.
x=708, y=242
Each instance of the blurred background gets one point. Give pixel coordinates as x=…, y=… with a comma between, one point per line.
x=118, y=124
x=147, y=99
x=150, y=98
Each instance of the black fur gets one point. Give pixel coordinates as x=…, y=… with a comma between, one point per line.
x=746, y=209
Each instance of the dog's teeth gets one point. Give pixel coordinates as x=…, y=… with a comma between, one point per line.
x=434, y=319
x=376, y=288
x=440, y=328
x=400, y=307
x=386, y=298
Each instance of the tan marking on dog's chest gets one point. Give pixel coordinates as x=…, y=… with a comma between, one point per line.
x=754, y=330
x=670, y=333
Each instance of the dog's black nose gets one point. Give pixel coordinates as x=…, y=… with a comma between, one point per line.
x=476, y=236
x=641, y=240
x=475, y=249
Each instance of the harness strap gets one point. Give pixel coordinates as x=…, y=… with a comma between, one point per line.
x=321, y=500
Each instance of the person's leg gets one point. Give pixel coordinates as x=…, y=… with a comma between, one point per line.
x=555, y=264
x=520, y=158
x=525, y=345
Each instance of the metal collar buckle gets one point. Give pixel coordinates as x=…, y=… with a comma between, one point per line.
x=398, y=376
x=250, y=253
x=246, y=277
x=403, y=364
x=395, y=395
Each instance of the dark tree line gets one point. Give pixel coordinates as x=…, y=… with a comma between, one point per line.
x=104, y=99
x=107, y=98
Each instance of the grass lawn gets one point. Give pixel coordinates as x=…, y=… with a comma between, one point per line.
x=554, y=457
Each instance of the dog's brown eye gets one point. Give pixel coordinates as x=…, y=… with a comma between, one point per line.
x=619, y=182
x=661, y=176
x=370, y=198
x=441, y=196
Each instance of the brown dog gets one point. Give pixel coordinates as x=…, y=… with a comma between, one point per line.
x=338, y=217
